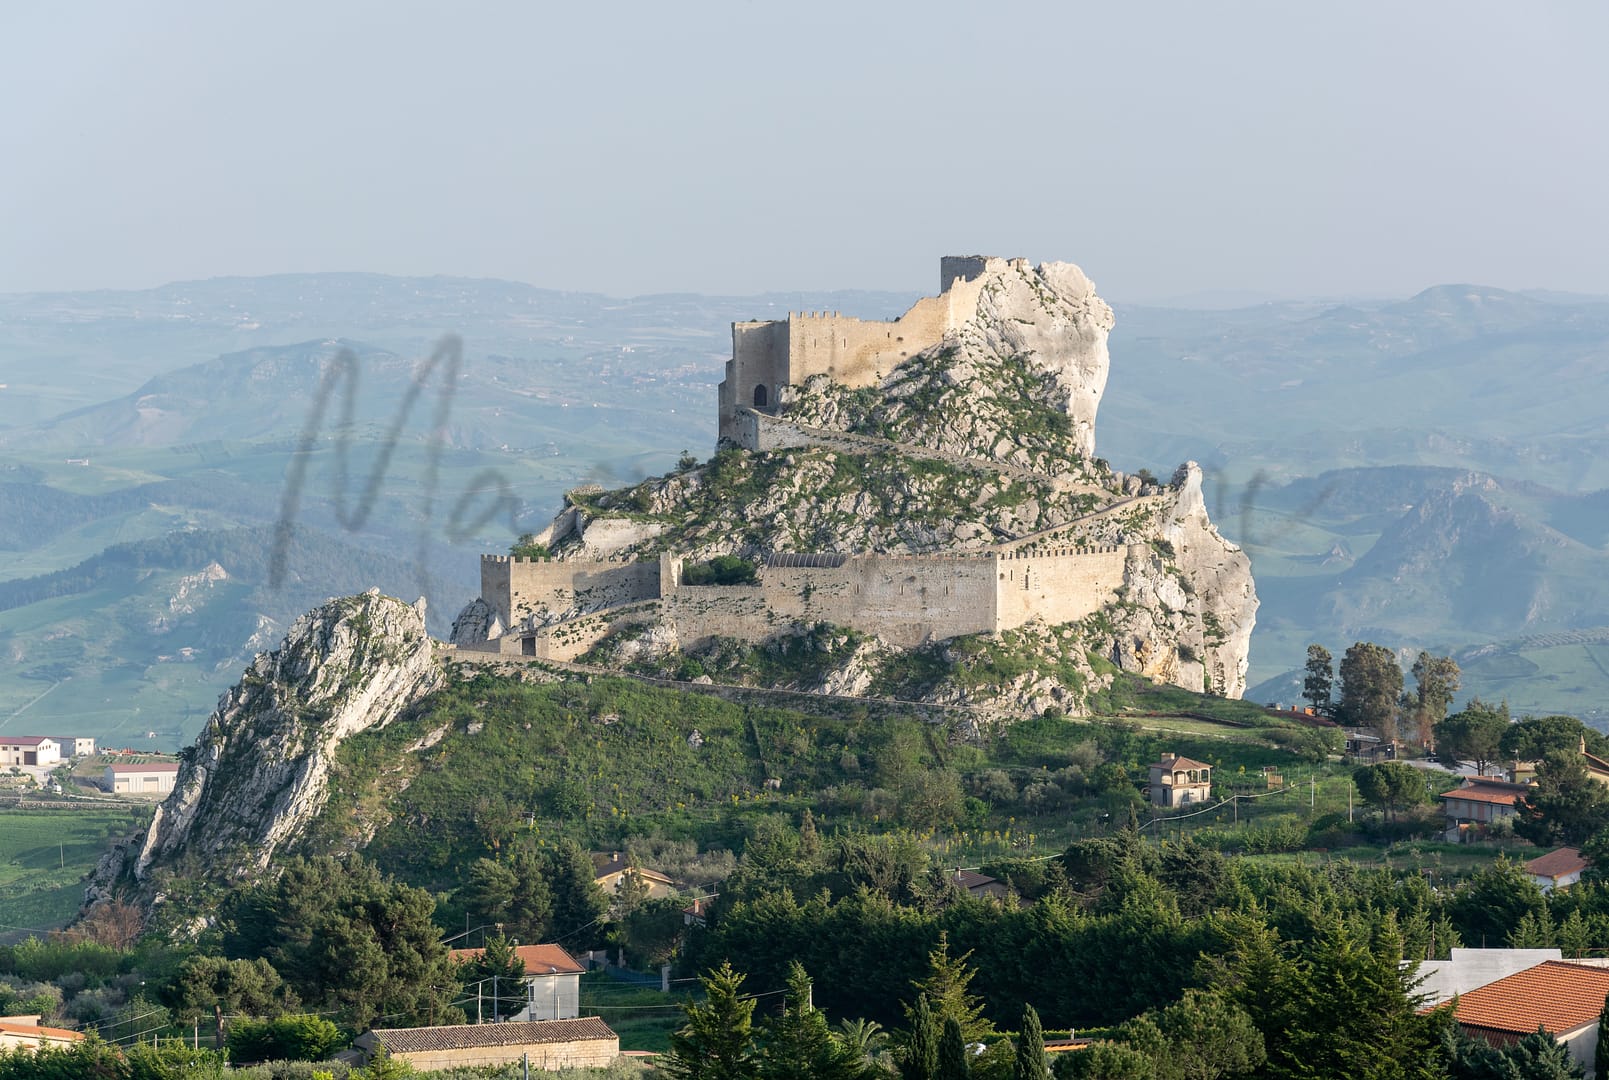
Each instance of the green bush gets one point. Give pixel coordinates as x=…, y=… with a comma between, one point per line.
x=292, y=1037
x=721, y=570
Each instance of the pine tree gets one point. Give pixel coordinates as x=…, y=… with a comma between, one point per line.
x=946, y=989
x=952, y=1053
x=798, y=1045
x=1031, y=1062
x=717, y=1042
x=1320, y=678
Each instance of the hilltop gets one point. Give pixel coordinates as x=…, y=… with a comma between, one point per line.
x=929, y=486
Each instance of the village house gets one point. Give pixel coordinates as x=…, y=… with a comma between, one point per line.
x=1440, y=981
x=611, y=870
x=1558, y=869
x=1180, y=781
x=547, y=1044
x=29, y=750
x=26, y=1033
x=1471, y=809
x=977, y=884
x=75, y=745
x=155, y=778
x=552, y=981
x=1562, y=998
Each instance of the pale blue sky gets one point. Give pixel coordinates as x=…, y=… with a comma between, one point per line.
x=1285, y=147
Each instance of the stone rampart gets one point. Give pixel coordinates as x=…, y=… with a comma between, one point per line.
x=1058, y=587
x=522, y=589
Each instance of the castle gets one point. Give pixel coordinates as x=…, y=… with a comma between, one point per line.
x=559, y=608
x=767, y=356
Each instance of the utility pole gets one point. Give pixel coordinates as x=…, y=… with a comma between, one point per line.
x=1312, y=791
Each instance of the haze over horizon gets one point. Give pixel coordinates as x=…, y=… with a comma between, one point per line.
x=1260, y=149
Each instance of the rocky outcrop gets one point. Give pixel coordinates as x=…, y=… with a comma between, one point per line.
x=260, y=770
x=476, y=624
x=983, y=440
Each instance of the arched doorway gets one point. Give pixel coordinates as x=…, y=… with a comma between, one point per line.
x=761, y=398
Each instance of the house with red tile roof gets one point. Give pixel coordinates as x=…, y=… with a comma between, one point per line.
x=1476, y=805
x=1180, y=781
x=26, y=1032
x=552, y=981
x=1562, y=998
x=1558, y=869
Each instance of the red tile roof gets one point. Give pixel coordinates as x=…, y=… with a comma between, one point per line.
x=538, y=959
x=1557, y=864
x=1484, y=793
x=465, y=1036
x=1172, y=763
x=35, y=1031
x=1555, y=995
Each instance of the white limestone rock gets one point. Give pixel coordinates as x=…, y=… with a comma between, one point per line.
x=259, y=772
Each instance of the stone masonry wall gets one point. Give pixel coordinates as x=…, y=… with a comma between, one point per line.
x=520, y=588
x=1057, y=588
x=852, y=352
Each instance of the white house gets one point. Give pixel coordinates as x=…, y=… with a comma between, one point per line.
x=1558, y=869
x=552, y=981
x=156, y=778
x=29, y=750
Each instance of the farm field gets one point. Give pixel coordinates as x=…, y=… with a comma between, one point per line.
x=44, y=855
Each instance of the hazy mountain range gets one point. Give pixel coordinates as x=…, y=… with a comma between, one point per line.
x=1424, y=473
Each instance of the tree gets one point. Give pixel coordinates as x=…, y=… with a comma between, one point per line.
x=1600, y=1056
x=494, y=978
x=1533, y=738
x=293, y=1037
x=1031, y=1063
x=347, y=938
x=1436, y=680
x=919, y=1059
x=579, y=903
x=1105, y=1061
x=488, y=890
x=798, y=1045
x=1391, y=785
x=1564, y=806
x=947, y=992
x=717, y=1041
x=1492, y=901
x=1371, y=684
x=1474, y=735
x=1320, y=678
x=212, y=984
x=952, y=1052
x=1207, y=1036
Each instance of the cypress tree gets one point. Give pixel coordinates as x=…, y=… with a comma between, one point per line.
x=1031, y=1063
x=952, y=1052
x=921, y=1057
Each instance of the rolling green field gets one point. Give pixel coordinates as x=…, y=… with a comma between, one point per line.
x=44, y=855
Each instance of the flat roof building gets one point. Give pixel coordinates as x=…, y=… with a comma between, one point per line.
x=156, y=778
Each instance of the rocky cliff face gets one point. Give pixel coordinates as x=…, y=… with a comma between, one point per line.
x=259, y=771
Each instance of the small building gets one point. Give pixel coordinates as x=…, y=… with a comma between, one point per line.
x=1470, y=969
x=26, y=1033
x=1180, y=781
x=1477, y=804
x=612, y=869
x=1562, y=998
x=977, y=884
x=552, y=981
x=1366, y=748
x=29, y=750
x=156, y=778
x=75, y=745
x=548, y=1044
x=1558, y=869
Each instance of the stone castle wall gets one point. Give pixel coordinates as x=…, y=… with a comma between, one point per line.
x=907, y=600
x=851, y=352
x=520, y=589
